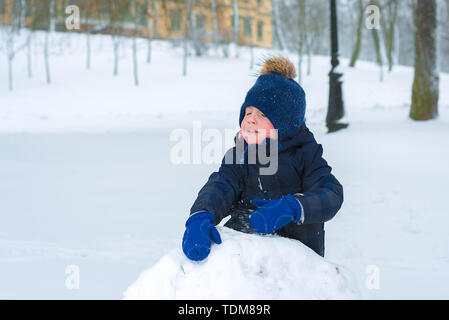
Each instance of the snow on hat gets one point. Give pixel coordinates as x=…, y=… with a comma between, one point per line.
x=278, y=96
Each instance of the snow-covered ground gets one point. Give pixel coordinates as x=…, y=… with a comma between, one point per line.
x=246, y=266
x=86, y=178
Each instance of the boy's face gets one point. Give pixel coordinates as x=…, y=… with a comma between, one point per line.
x=256, y=126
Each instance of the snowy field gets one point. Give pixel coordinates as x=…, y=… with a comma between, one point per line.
x=86, y=178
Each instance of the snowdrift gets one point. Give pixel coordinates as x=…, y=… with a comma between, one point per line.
x=246, y=266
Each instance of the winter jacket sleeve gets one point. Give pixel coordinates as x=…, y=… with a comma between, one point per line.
x=322, y=194
x=220, y=192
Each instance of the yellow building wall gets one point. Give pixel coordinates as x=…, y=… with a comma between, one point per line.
x=257, y=11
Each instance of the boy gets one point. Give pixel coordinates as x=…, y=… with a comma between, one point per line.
x=293, y=202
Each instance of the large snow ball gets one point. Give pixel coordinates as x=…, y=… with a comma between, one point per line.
x=246, y=266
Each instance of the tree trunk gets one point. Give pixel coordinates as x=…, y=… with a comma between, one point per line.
x=115, y=43
x=136, y=11
x=425, y=91
x=10, y=51
x=187, y=28
x=397, y=46
x=389, y=30
x=389, y=42
x=10, y=57
x=149, y=49
x=308, y=43
x=52, y=16
x=47, y=62
x=447, y=7
x=358, y=41
x=136, y=76
x=236, y=27
x=215, y=24
x=277, y=25
x=148, y=20
x=29, y=38
x=51, y=28
x=309, y=60
x=251, y=63
x=377, y=46
x=302, y=36
x=88, y=50
x=155, y=35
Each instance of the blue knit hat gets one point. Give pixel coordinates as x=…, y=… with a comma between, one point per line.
x=278, y=96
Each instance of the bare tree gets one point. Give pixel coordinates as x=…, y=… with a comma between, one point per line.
x=49, y=16
x=136, y=9
x=149, y=24
x=214, y=23
x=307, y=23
x=186, y=32
x=118, y=10
x=388, y=21
x=30, y=10
x=155, y=34
x=16, y=23
x=88, y=46
x=236, y=26
x=88, y=8
x=447, y=7
x=358, y=41
x=224, y=40
x=316, y=27
x=308, y=45
x=376, y=36
x=425, y=91
x=302, y=36
x=277, y=30
x=251, y=51
x=198, y=33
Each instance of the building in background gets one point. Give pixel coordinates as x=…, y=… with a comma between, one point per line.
x=159, y=19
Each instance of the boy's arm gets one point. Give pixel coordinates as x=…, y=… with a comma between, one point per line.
x=220, y=192
x=322, y=194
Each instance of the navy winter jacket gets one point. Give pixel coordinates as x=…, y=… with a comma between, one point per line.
x=302, y=172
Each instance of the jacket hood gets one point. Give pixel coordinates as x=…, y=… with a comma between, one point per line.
x=303, y=137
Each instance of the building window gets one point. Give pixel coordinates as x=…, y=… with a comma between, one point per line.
x=247, y=26
x=175, y=19
x=2, y=7
x=142, y=14
x=200, y=21
x=28, y=9
x=260, y=30
x=104, y=8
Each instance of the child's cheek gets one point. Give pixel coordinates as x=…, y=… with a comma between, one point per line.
x=268, y=130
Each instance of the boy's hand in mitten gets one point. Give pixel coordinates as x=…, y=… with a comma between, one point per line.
x=200, y=231
x=274, y=214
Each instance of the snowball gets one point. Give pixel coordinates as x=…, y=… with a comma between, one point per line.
x=246, y=266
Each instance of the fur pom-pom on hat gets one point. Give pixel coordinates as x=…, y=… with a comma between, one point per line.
x=280, y=65
x=278, y=96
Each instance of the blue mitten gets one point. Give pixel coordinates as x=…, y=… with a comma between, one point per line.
x=274, y=214
x=200, y=230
